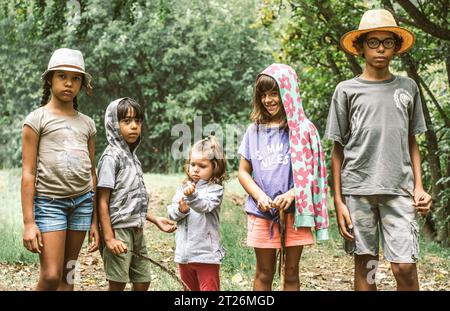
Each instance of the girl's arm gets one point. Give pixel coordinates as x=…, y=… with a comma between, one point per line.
x=343, y=215
x=250, y=186
x=422, y=200
x=206, y=203
x=94, y=235
x=32, y=239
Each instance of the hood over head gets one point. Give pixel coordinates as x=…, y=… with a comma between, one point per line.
x=307, y=157
x=112, y=128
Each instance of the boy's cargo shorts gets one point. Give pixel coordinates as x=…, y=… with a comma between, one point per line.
x=391, y=217
x=127, y=267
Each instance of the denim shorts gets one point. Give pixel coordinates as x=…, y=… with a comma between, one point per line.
x=52, y=214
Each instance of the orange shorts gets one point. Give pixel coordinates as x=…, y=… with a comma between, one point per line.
x=258, y=233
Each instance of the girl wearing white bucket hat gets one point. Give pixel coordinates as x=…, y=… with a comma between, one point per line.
x=377, y=182
x=65, y=60
x=58, y=173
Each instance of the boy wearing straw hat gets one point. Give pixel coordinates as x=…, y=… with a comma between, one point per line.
x=373, y=120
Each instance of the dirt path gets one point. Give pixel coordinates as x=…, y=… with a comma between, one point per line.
x=321, y=268
x=328, y=273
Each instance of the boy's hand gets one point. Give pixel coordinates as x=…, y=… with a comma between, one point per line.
x=284, y=201
x=183, y=207
x=264, y=202
x=165, y=224
x=189, y=189
x=32, y=238
x=422, y=201
x=116, y=247
x=344, y=221
x=94, y=238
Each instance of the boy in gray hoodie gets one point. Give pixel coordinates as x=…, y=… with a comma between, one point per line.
x=123, y=199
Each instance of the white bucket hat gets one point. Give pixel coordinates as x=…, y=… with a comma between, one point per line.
x=70, y=60
x=377, y=20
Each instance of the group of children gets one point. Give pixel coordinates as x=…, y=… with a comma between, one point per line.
x=373, y=120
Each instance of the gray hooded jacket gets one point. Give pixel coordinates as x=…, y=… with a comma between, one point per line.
x=198, y=230
x=120, y=170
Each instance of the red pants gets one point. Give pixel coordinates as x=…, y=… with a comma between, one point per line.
x=200, y=276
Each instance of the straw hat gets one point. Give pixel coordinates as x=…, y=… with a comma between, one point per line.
x=377, y=20
x=70, y=60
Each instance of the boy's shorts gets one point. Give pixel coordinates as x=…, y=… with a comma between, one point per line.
x=392, y=216
x=51, y=214
x=258, y=233
x=127, y=267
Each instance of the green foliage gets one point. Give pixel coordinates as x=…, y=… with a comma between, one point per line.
x=308, y=32
x=11, y=224
x=177, y=58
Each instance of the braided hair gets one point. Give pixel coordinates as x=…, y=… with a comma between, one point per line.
x=47, y=90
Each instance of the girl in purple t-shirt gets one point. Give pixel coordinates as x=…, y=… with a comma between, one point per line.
x=265, y=172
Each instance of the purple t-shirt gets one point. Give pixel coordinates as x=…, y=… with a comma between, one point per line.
x=267, y=149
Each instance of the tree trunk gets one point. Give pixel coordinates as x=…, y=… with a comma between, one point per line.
x=446, y=235
x=430, y=230
x=447, y=64
x=436, y=103
x=432, y=142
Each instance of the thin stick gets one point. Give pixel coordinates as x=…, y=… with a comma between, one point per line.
x=282, y=268
x=170, y=272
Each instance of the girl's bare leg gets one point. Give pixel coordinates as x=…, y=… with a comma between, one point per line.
x=292, y=278
x=74, y=241
x=51, y=260
x=265, y=269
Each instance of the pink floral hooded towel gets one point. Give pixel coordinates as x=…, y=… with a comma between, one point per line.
x=307, y=157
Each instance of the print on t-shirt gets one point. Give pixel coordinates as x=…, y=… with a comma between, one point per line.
x=402, y=99
x=271, y=156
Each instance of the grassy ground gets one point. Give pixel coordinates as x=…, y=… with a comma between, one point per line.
x=324, y=266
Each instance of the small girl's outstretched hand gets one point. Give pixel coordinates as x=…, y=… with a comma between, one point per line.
x=264, y=202
x=183, y=207
x=32, y=238
x=165, y=224
x=189, y=189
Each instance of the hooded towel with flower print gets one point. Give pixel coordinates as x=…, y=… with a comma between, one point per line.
x=307, y=157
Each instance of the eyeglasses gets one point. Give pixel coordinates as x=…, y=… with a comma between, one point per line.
x=388, y=43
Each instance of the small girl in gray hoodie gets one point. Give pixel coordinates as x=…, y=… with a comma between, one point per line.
x=196, y=207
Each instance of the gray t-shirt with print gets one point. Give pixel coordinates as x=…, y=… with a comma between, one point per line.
x=373, y=120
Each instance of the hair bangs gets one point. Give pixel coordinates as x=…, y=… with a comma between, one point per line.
x=125, y=105
x=265, y=83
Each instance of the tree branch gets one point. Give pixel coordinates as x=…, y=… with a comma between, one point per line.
x=435, y=102
x=423, y=22
x=328, y=15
